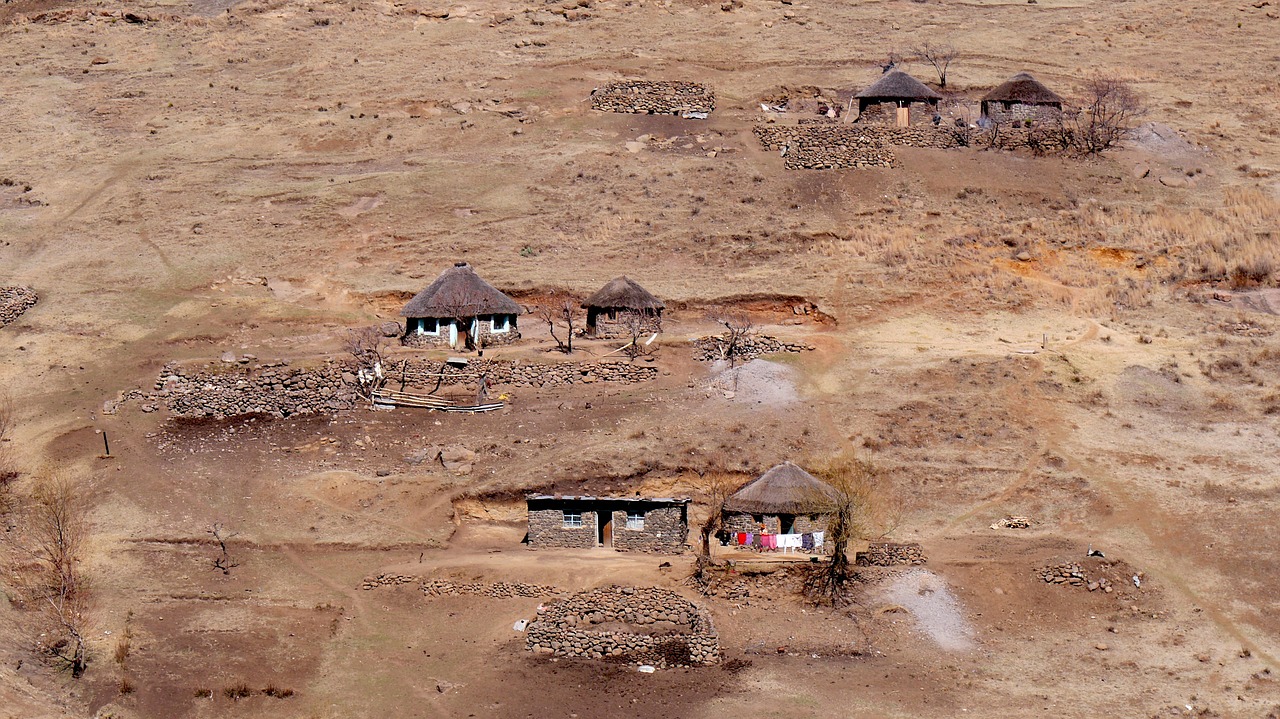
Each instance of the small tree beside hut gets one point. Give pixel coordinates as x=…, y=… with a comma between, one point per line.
x=858, y=505
x=940, y=56
x=562, y=311
x=1105, y=116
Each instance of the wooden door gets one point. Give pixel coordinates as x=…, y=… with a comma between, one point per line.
x=605, y=520
x=904, y=117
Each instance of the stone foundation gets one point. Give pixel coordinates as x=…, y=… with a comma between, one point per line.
x=14, y=301
x=1001, y=113
x=889, y=554
x=653, y=97
x=680, y=632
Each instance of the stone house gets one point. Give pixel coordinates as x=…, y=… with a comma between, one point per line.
x=640, y=524
x=462, y=311
x=898, y=99
x=786, y=500
x=609, y=309
x=1022, y=98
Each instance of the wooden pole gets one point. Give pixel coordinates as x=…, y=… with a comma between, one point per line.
x=105, y=446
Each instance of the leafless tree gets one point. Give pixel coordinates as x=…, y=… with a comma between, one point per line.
x=638, y=331
x=860, y=505
x=223, y=560
x=940, y=56
x=366, y=345
x=739, y=329
x=1105, y=116
x=716, y=486
x=53, y=535
x=566, y=311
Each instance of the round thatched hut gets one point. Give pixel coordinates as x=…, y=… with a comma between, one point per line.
x=610, y=308
x=1022, y=97
x=460, y=310
x=897, y=98
x=786, y=500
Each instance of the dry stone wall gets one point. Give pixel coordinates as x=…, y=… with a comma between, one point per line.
x=654, y=97
x=447, y=588
x=423, y=373
x=890, y=554
x=274, y=389
x=716, y=347
x=14, y=301
x=670, y=631
x=825, y=146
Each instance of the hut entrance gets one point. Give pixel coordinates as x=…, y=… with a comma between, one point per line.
x=904, y=117
x=604, y=528
x=787, y=522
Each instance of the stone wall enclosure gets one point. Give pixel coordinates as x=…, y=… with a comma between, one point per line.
x=667, y=629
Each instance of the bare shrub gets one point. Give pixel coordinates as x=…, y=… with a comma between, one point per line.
x=222, y=561
x=1105, y=115
x=237, y=691
x=739, y=329
x=366, y=345
x=638, y=332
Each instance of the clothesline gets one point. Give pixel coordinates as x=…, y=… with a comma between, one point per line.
x=808, y=541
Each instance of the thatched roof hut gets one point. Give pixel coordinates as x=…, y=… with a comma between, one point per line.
x=460, y=293
x=785, y=489
x=624, y=293
x=897, y=86
x=1024, y=89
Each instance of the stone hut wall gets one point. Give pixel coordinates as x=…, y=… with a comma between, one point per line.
x=802, y=524
x=606, y=328
x=547, y=530
x=889, y=554
x=665, y=531
x=487, y=337
x=998, y=112
x=14, y=301
x=886, y=113
x=681, y=632
x=653, y=97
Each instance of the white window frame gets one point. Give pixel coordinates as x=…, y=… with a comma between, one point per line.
x=635, y=521
x=570, y=519
x=422, y=326
x=493, y=324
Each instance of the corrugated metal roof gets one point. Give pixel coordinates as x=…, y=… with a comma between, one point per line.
x=588, y=498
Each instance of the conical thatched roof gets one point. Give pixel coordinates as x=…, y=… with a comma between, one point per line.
x=624, y=293
x=785, y=489
x=459, y=292
x=898, y=85
x=1023, y=88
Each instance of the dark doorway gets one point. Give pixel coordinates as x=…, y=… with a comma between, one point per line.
x=604, y=528
x=787, y=523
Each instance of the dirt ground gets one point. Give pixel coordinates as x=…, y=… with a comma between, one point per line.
x=260, y=176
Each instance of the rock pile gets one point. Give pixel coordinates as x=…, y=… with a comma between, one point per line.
x=716, y=347
x=426, y=373
x=654, y=97
x=1074, y=575
x=890, y=554
x=14, y=301
x=669, y=630
x=273, y=388
x=1013, y=521
x=445, y=587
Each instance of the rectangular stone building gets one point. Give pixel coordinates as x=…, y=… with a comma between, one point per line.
x=641, y=524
